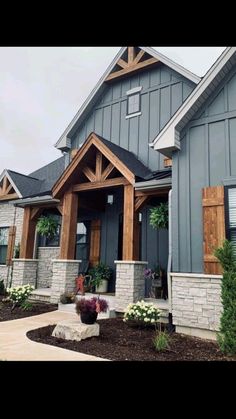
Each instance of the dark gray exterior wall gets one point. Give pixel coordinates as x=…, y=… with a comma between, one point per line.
x=207, y=158
x=163, y=91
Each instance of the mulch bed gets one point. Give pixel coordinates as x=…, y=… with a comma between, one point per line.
x=37, y=308
x=119, y=342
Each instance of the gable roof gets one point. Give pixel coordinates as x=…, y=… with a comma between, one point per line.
x=64, y=141
x=168, y=139
x=37, y=183
x=128, y=158
x=124, y=161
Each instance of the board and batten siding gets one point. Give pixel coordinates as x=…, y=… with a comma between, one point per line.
x=163, y=91
x=207, y=158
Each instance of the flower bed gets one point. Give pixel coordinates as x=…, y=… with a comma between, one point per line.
x=18, y=313
x=119, y=342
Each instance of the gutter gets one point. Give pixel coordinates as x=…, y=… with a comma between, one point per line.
x=153, y=184
x=47, y=199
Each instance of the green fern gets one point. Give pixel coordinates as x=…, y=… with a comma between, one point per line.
x=159, y=216
x=47, y=226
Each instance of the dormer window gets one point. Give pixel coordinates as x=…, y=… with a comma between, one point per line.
x=133, y=102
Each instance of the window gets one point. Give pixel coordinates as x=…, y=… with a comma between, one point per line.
x=133, y=104
x=230, y=207
x=3, y=244
x=82, y=241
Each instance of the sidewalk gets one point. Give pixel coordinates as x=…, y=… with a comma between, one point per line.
x=15, y=346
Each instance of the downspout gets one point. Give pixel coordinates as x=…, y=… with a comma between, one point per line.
x=170, y=326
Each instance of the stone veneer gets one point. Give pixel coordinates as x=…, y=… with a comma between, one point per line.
x=196, y=304
x=45, y=257
x=64, y=273
x=9, y=216
x=24, y=272
x=130, y=283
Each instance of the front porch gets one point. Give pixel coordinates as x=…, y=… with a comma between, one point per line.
x=103, y=217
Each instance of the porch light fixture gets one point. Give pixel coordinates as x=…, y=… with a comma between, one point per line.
x=140, y=217
x=110, y=199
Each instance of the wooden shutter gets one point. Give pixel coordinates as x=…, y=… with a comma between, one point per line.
x=95, y=239
x=213, y=226
x=11, y=245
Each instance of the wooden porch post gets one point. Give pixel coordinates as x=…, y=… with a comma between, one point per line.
x=128, y=225
x=69, y=224
x=28, y=235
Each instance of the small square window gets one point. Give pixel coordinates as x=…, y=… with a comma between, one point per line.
x=133, y=104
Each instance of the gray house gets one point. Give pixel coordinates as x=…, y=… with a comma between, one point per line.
x=149, y=132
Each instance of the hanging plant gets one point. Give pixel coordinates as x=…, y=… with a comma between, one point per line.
x=47, y=226
x=159, y=216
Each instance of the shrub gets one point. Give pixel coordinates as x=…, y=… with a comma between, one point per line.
x=93, y=305
x=142, y=313
x=67, y=298
x=227, y=334
x=19, y=295
x=159, y=216
x=161, y=341
x=99, y=273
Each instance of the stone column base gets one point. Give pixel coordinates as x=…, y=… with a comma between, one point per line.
x=130, y=283
x=64, y=273
x=24, y=272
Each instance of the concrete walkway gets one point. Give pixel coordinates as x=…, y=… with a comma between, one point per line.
x=15, y=346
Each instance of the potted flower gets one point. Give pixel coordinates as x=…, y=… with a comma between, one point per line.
x=47, y=226
x=101, y=274
x=88, y=309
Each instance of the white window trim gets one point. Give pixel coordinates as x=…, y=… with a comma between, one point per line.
x=133, y=114
x=134, y=90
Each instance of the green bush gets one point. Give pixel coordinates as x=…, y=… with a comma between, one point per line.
x=159, y=216
x=227, y=334
x=18, y=295
x=161, y=341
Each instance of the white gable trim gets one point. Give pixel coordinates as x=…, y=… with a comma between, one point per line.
x=168, y=139
x=5, y=173
x=64, y=140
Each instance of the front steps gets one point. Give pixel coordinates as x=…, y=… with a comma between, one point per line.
x=42, y=295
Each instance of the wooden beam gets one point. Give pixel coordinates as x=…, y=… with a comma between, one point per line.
x=132, y=68
x=119, y=181
x=28, y=235
x=98, y=166
x=130, y=55
x=122, y=63
x=9, y=188
x=107, y=171
x=69, y=225
x=89, y=174
x=35, y=213
x=61, y=184
x=5, y=184
x=139, y=56
x=139, y=202
x=167, y=162
x=60, y=208
x=119, y=165
x=9, y=197
x=128, y=223
x=155, y=192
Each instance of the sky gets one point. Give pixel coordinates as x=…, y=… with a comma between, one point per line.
x=42, y=88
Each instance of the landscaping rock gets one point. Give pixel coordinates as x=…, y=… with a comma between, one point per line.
x=74, y=330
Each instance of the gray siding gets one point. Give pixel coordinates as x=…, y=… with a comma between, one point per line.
x=163, y=91
x=207, y=158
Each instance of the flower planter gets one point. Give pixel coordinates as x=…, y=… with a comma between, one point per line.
x=88, y=318
x=102, y=287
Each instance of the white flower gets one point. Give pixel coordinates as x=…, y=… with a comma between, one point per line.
x=146, y=319
x=152, y=320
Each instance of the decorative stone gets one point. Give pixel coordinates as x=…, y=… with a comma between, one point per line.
x=74, y=330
